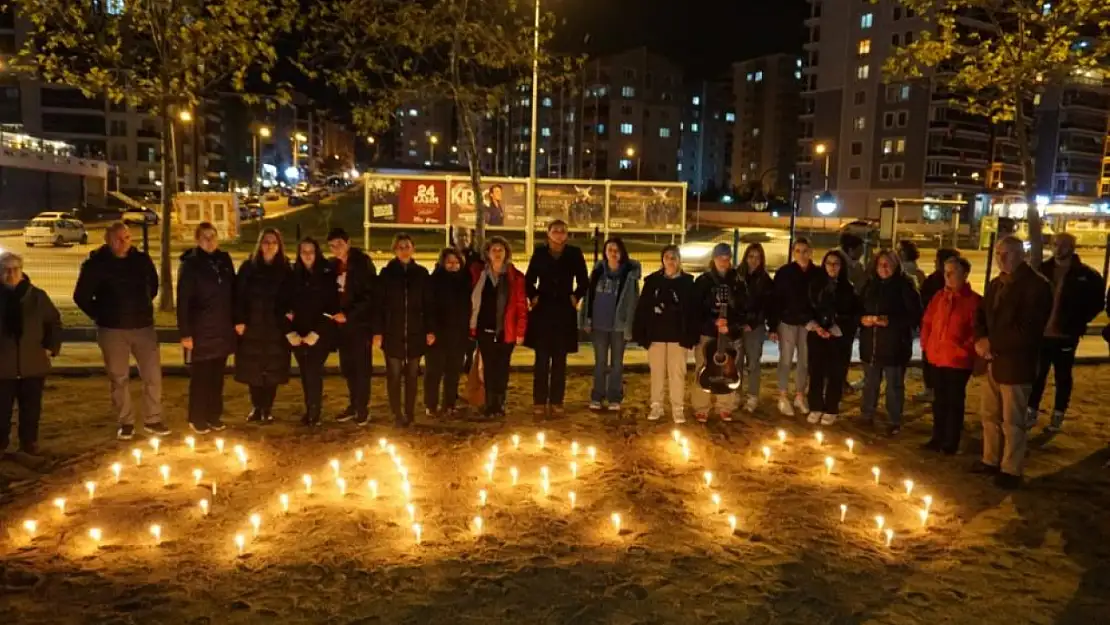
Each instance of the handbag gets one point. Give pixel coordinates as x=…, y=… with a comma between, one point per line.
x=476, y=382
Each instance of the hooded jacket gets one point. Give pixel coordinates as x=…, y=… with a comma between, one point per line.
x=628, y=294
x=790, y=301
x=896, y=299
x=661, y=300
x=115, y=292
x=205, y=303
x=1080, y=298
x=756, y=294
x=403, y=315
x=835, y=303
x=948, y=328
x=30, y=326
x=711, y=291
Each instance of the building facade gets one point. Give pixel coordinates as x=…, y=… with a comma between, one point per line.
x=767, y=100
x=708, y=122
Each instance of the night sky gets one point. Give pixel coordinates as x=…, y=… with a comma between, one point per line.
x=704, y=36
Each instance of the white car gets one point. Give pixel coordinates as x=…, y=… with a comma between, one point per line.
x=54, y=229
x=776, y=248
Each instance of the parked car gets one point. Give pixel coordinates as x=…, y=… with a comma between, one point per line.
x=861, y=228
x=776, y=247
x=54, y=229
x=139, y=216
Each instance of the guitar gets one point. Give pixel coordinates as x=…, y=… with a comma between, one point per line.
x=720, y=374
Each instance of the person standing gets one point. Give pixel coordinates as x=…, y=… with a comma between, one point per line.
x=852, y=247
x=756, y=290
x=116, y=288
x=831, y=333
x=665, y=324
x=948, y=338
x=450, y=319
x=1076, y=301
x=714, y=289
x=205, y=305
x=555, y=283
x=891, y=312
x=261, y=292
x=354, y=277
x=495, y=210
x=908, y=255
x=464, y=246
x=30, y=335
x=312, y=303
x=498, y=319
x=790, y=311
x=1009, y=327
x=607, y=316
x=934, y=283
x=403, y=326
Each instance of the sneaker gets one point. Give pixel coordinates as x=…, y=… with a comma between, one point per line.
x=595, y=405
x=360, y=420
x=557, y=411
x=701, y=417
x=347, y=415
x=784, y=407
x=656, y=412
x=726, y=416
x=678, y=415
x=125, y=432
x=216, y=425
x=893, y=430
x=814, y=417
x=539, y=411
x=925, y=396
x=1030, y=418
x=255, y=416
x=199, y=428
x=1057, y=423
x=982, y=468
x=1007, y=481
x=751, y=404
x=267, y=417
x=828, y=419
x=156, y=428
x=800, y=404
x=614, y=407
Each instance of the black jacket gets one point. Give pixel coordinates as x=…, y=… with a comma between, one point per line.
x=835, y=302
x=710, y=292
x=898, y=300
x=553, y=321
x=30, y=326
x=450, y=316
x=932, y=285
x=403, y=314
x=205, y=301
x=650, y=323
x=356, y=295
x=756, y=293
x=790, y=300
x=261, y=301
x=1013, y=315
x=117, y=292
x=313, y=296
x=1081, y=300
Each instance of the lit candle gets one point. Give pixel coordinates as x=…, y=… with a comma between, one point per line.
x=574, y=470
x=242, y=455
x=478, y=525
x=708, y=476
x=358, y=455
x=117, y=468
x=493, y=451
x=880, y=522
x=875, y=472
x=256, y=522
x=398, y=461
x=204, y=507
x=406, y=488
x=482, y=498
x=392, y=450
x=889, y=536
x=307, y=479
x=592, y=453
x=214, y=488
x=545, y=485
x=284, y=499
x=928, y=499
x=782, y=436
x=829, y=462
x=342, y=485
x=544, y=473
x=156, y=532
x=924, y=514
x=616, y=518
x=513, y=473
x=191, y=443
x=851, y=445
x=96, y=535
x=30, y=527
x=766, y=455
x=574, y=448
x=91, y=487
x=676, y=435
x=404, y=472
x=240, y=543
x=334, y=467
x=489, y=470
x=197, y=474
x=573, y=498
x=418, y=531
x=155, y=443
x=165, y=471
x=685, y=442
x=411, y=509
x=686, y=454
x=820, y=436
x=909, y=486
x=717, y=502
x=843, y=511
x=138, y=455
x=382, y=443
x=516, y=441
x=541, y=439
x=373, y=485
x=219, y=445
x=60, y=504
x=732, y=522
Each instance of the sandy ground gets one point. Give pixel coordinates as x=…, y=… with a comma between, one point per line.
x=1041, y=555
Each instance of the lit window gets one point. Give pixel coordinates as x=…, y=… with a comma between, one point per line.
x=545, y=132
x=547, y=102
x=864, y=47
x=696, y=100
x=900, y=146
x=904, y=93
x=664, y=132
x=114, y=7
x=413, y=112
x=799, y=62
x=628, y=92
x=861, y=123
x=412, y=152
x=730, y=117
x=693, y=128
x=1047, y=8
x=798, y=75
x=755, y=132
x=866, y=20
x=601, y=129
x=526, y=101
x=888, y=146
x=680, y=167
x=759, y=76
x=863, y=71
x=626, y=163
x=626, y=129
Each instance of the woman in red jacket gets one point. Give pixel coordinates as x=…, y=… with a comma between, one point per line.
x=498, y=318
x=948, y=338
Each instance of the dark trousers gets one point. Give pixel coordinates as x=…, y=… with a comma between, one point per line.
x=356, y=362
x=444, y=362
x=928, y=372
x=895, y=391
x=949, y=400
x=1058, y=353
x=310, y=361
x=398, y=372
x=828, y=371
x=206, y=390
x=27, y=393
x=496, y=356
x=549, y=384
x=262, y=396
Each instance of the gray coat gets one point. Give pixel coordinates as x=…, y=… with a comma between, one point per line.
x=25, y=341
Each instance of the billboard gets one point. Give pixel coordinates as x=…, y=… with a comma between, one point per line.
x=582, y=206
x=645, y=207
x=410, y=202
x=504, y=204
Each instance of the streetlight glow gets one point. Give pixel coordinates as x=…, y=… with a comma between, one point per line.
x=264, y=132
x=185, y=116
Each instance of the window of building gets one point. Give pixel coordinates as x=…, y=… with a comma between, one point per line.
x=570, y=116
x=629, y=73
x=759, y=76
x=117, y=128
x=866, y=20
x=860, y=97
x=860, y=123
x=896, y=40
x=626, y=163
x=694, y=128
x=546, y=102
x=903, y=118
x=897, y=13
x=751, y=77
x=755, y=132
x=896, y=171
x=680, y=167
x=119, y=152
x=888, y=119
x=863, y=72
x=545, y=132
x=884, y=171
x=601, y=129
x=900, y=146
x=855, y=173
x=857, y=148
x=696, y=100
x=908, y=38
x=626, y=129
x=864, y=47
x=888, y=146
x=626, y=109
x=413, y=112
x=730, y=117
x=114, y=7
x=664, y=133
x=628, y=92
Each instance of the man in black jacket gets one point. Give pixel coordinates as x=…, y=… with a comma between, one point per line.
x=355, y=275
x=1076, y=300
x=556, y=281
x=1009, y=328
x=932, y=285
x=789, y=313
x=116, y=289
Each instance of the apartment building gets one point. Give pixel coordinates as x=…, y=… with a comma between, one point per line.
x=767, y=99
x=706, y=155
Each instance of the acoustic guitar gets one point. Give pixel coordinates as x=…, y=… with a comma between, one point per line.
x=720, y=375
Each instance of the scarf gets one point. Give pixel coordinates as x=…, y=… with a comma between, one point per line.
x=13, y=309
x=501, y=283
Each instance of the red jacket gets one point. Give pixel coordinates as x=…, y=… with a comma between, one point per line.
x=948, y=329
x=516, y=310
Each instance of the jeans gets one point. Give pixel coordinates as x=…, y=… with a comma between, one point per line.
x=356, y=363
x=753, y=357
x=27, y=393
x=1058, y=353
x=828, y=371
x=668, y=370
x=206, y=391
x=895, y=391
x=791, y=339
x=699, y=398
x=549, y=384
x=608, y=367
x=949, y=402
x=262, y=397
x=1004, y=435
x=310, y=362
x=398, y=372
x=496, y=357
x=443, y=363
x=117, y=347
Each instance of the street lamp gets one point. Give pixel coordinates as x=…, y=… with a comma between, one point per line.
x=298, y=139
x=826, y=203
x=432, y=141
x=185, y=116
x=822, y=149
x=256, y=180
x=631, y=153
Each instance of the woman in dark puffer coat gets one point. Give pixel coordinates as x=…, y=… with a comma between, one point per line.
x=262, y=357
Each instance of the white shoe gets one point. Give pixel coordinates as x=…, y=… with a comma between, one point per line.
x=751, y=404
x=595, y=405
x=784, y=407
x=656, y=412
x=828, y=419
x=615, y=407
x=814, y=417
x=678, y=416
x=800, y=404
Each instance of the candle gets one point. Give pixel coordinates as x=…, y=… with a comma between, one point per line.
x=242, y=455
x=373, y=486
x=909, y=486
x=138, y=455
x=843, y=511
x=116, y=469
x=686, y=454
x=419, y=531
x=928, y=499
x=676, y=435
x=284, y=499
x=404, y=473
x=219, y=445
x=732, y=522
x=875, y=472
x=592, y=452
x=155, y=443
x=334, y=467
x=516, y=441
x=398, y=461
x=256, y=522
x=829, y=462
x=30, y=527
x=165, y=471
x=478, y=525
x=573, y=498
x=545, y=485
x=191, y=443
x=156, y=532
x=880, y=522
x=544, y=473
x=382, y=443
x=574, y=470
x=240, y=543
x=411, y=509
x=513, y=473
x=717, y=502
x=889, y=536
x=541, y=439
x=342, y=485
x=60, y=504
x=358, y=455
x=96, y=535
x=489, y=470
x=482, y=498
x=851, y=445
x=574, y=448
x=493, y=451
x=392, y=450
x=766, y=455
x=924, y=514
x=708, y=475
x=616, y=518
x=197, y=474
x=307, y=479
x=213, y=488
x=782, y=436
x=820, y=436
x=406, y=488
x=91, y=487
x=204, y=507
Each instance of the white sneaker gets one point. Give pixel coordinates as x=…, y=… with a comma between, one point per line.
x=751, y=404
x=678, y=416
x=595, y=405
x=800, y=404
x=814, y=417
x=656, y=412
x=615, y=407
x=828, y=419
x=784, y=407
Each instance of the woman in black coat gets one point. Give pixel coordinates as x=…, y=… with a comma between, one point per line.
x=313, y=301
x=262, y=357
x=450, y=319
x=836, y=309
x=755, y=289
x=205, y=301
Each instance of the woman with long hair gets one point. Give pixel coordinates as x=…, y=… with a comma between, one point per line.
x=831, y=333
x=262, y=356
x=498, y=318
x=755, y=287
x=450, y=320
x=607, y=316
x=312, y=302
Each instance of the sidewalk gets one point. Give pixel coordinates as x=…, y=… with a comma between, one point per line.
x=84, y=358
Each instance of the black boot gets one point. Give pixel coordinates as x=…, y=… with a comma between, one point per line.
x=256, y=415
x=314, y=415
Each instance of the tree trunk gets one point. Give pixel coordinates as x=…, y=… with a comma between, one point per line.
x=1032, y=213
x=470, y=150
x=165, y=290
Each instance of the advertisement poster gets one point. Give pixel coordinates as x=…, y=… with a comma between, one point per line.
x=645, y=207
x=503, y=202
x=582, y=206
x=408, y=202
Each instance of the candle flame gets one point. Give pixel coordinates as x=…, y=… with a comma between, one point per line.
x=96, y=535
x=116, y=469
x=924, y=514
x=676, y=435
x=782, y=436
x=516, y=441
x=851, y=445
x=732, y=522
x=411, y=509
x=284, y=499
x=513, y=473
x=717, y=501
x=219, y=445
x=334, y=466
x=477, y=525
x=928, y=499
x=766, y=454
x=708, y=475
x=204, y=507
x=889, y=536
x=875, y=471
x=60, y=504
x=820, y=436
x=138, y=455
x=574, y=470
x=256, y=522
x=373, y=485
x=307, y=479
x=880, y=522
x=342, y=484
x=489, y=470
x=829, y=462
x=91, y=487
x=156, y=531
x=482, y=498
x=165, y=471
x=358, y=455
x=155, y=443
x=592, y=452
x=191, y=443
x=197, y=474
x=843, y=511
x=382, y=443
x=573, y=498
x=541, y=439
x=909, y=486
x=406, y=488
x=616, y=519
x=30, y=526
x=240, y=543
x=419, y=531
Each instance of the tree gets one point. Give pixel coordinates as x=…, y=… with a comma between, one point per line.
x=161, y=56
x=474, y=54
x=996, y=56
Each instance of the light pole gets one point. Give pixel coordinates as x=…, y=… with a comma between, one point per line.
x=186, y=117
x=822, y=149
x=298, y=138
x=530, y=205
x=432, y=141
x=256, y=179
x=631, y=153
x=374, y=142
